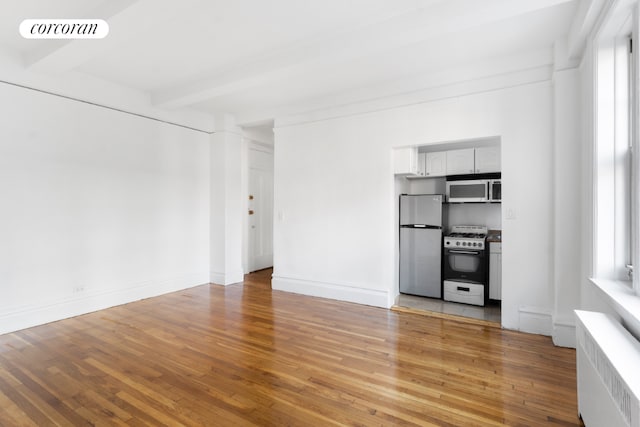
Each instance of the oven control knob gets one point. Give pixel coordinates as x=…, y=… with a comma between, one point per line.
x=475, y=244
x=464, y=243
x=457, y=243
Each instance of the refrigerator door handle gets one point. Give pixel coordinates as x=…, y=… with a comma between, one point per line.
x=423, y=226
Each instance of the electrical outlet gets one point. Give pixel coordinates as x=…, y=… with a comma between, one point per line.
x=78, y=289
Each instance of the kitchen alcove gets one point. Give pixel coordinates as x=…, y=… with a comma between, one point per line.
x=431, y=169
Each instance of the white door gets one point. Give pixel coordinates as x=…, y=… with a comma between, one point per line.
x=260, y=210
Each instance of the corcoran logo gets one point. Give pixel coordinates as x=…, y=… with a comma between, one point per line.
x=64, y=29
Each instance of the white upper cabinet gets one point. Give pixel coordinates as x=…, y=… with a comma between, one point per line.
x=408, y=162
x=405, y=162
x=487, y=159
x=422, y=164
x=460, y=162
x=435, y=164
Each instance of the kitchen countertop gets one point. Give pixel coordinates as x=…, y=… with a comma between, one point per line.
x=494, y=236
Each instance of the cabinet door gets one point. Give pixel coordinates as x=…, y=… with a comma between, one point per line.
x=460, y=162
x=499, y=283
x=495, y=271
x=436, y=164
x=405, y=161
x=422, y=164
x=487, y=159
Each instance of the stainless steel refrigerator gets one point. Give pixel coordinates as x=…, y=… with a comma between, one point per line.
x=421, y=227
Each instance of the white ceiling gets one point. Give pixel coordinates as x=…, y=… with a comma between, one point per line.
x=260, y=58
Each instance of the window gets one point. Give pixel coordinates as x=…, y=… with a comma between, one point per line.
x=616, y=189
x=634, y=134
x=622, y=152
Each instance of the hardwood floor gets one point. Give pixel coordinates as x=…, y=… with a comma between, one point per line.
x=246, y=355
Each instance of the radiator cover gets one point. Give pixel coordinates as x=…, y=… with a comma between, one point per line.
x=608, y=363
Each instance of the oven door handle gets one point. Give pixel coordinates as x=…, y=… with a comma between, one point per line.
x=453, y=251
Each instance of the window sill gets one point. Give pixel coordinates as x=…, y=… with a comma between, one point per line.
x=620, y=296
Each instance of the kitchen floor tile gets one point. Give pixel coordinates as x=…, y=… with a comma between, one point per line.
x=490, y=312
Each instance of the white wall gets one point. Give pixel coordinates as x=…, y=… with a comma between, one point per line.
x=335, y=233
x=487, y=214
x=568, y=215
x=227, y=207
x=98, y=208
x=590, y=297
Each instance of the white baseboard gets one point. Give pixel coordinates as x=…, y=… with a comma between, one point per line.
x=17, y=318
x=564, y=335
x=332, y=291
x=564, y=330
x=535, y=320
x=226, y=278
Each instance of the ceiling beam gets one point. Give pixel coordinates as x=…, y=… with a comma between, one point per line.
x=583, y=24
x=526, y=67
x=409, y=28
x=126, y=19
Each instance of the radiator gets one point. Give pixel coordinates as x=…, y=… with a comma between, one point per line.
x=608, y=364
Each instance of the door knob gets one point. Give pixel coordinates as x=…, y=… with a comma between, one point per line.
x=250, y=211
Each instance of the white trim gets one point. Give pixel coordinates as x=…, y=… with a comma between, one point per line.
x=623, y=300
x=583, y=25
x=533, y=75
x=82, y=87
x=14, y=319
x=226, y=279
x=608, y=252
x=535, y=320
x=256, y=145
x=635, y=152
x=335, y=291
x=564, y=332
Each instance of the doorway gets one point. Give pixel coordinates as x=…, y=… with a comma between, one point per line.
x=260, y=208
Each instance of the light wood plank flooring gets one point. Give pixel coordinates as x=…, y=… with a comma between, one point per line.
x=246, y=355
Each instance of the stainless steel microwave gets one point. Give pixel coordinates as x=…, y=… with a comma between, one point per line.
x=475, y=190
x=495, y=190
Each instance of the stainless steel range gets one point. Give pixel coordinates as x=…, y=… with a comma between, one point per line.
x=466, y=236
x=465, y=265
